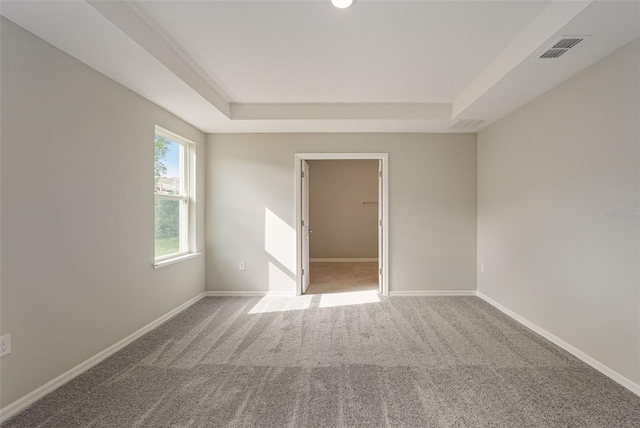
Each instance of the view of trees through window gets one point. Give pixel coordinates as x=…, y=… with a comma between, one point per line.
x=168, y=174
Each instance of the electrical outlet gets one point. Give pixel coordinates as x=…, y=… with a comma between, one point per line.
x=242, y=266
x=481, y=267
x=5, y=345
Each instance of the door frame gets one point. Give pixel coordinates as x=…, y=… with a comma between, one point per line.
x=384, y=157
x=305, y=227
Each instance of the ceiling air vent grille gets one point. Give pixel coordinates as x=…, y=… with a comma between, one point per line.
x=467, y=124
x=567, y=43
x=560, y=47
x=553, y=53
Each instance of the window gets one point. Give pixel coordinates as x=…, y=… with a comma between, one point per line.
x=174, y=201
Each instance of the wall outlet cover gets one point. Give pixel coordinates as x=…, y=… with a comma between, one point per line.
x=5, y=345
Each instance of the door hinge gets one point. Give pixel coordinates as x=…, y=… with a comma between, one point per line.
x=380, y=174
x=380, y=271
x=380, y=223
x=302, y=272
x=302, y=223
x=302, y=174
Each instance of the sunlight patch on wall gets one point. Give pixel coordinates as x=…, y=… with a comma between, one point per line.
x=348, y=299
x=280, y=242
x=280, y=280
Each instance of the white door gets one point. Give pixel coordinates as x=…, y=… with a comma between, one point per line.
x=305, y=226
x=381, y=268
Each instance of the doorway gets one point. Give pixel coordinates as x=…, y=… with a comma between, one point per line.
x=360, y=272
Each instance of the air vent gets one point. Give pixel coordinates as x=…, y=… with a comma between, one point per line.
x=566, y=43
x=560, y=47
x=553, y=53
x=467, y=124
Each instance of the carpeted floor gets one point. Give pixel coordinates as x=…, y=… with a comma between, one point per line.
x=315, y=361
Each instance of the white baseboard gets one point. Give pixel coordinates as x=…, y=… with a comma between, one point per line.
x=249, y=294
x=341, y=260
x=24, y=402
x=630, y=385
x=433, y=293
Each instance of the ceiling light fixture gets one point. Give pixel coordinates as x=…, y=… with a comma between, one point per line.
x=342, y=4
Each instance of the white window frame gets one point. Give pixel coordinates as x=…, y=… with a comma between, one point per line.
x=186, y=197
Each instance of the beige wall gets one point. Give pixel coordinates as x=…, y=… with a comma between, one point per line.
x=547, y=175
x=343, y=227
x=432, y=208
x=77, y=213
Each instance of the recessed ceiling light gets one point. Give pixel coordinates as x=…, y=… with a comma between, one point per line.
x=342, y=4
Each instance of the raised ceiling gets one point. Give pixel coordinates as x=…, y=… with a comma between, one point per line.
x=306, y=66
x=373, y=52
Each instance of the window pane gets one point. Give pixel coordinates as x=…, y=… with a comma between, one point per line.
x=167, y=227
x=168, y=166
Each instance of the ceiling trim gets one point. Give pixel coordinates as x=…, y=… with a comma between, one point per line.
x=144, y=31
x=341, y=111
x=119, y=40
x=140, y=31
x=553, y=18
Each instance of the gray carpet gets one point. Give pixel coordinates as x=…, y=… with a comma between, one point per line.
x=400, y=362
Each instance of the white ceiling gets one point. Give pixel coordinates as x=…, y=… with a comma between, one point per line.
x=305, y=66
x=372, y=52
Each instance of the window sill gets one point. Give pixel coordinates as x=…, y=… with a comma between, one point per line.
x=178, y=259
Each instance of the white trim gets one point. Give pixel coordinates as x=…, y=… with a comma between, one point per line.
x=187, y=197
x=341, y=156
x=433, y=293
x=343, y=260
x=170, y=256
x=384, y=157
x=630, y=385
x=24, y=402
x=249, y=294
x=172, y=197
x=167, y=262
x=164, y=132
